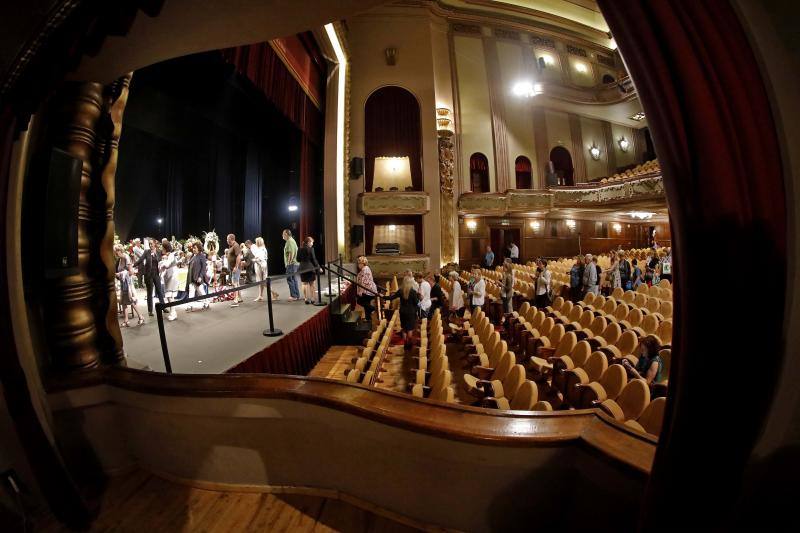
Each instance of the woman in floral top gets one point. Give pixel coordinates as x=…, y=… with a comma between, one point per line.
x=366, y=289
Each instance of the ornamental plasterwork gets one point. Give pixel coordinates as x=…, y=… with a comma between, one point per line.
x=525, y=200
x=394, y=202
x=387, y=265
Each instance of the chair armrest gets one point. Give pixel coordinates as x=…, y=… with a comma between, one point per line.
x=482, y=372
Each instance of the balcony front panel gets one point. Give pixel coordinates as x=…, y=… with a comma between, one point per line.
x=394, y=203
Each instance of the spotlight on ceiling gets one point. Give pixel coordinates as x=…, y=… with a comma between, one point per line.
x=292, y=204
x=526, y=89
x=159, y=221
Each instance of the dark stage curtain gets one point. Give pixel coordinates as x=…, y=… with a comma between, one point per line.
x=296, y=353
x=307, y=178
x=710, y=116
x=399, y=220
x=392, y=129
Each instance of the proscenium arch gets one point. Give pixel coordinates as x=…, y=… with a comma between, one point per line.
x=668, y=76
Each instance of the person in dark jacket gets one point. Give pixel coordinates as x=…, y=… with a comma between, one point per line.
x=409, y=303
x=148, y=267
x=437, y=294
x=309, y=266
x=197, y=277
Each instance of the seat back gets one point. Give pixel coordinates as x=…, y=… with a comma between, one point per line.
x=666, y=359
x=634, y=317
x=575, y=314
x=643, y=288
x=595, y=366
x=599, y=325
x=665, y=284
x=612, y=333
x=614, y=380
x=664, y=331
x=556, y=334
x=557, y=303
x=513, y=380
x=617, y=293
x=621, y=312
x=503, y=366
x=653, y=416
x=640, y=300
x=586, y=319
x=666, y=309
x=581, y=353
x=634, y=398
x=566, y=345
x=653, y=304
x=353, y=375
x=538, y=320
x=527, y=395
x=627, y=342
x=546, y=326
x=524, y=308
x=649, y=324
x=628, y=297
x=589, y=298
x=566, y=308
x=609, y=307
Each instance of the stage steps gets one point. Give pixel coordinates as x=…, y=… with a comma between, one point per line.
x=347, y=330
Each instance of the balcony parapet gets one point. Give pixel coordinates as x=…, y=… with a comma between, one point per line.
x=394, y=203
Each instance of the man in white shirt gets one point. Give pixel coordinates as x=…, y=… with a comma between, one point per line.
x=543, y=286
x=513, y=252
x=424, y=295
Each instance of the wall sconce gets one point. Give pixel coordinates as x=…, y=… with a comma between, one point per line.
x=570, y=224
x=617, y=227
x=624, y=144
x=594, y=151
x=535, y=225
x=443, y=120
x=581, y=67
x=392, y=227
x=391, y=56
x=471, y=225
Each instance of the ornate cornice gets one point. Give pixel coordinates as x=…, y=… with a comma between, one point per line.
x=393, y=203
x=586, y=195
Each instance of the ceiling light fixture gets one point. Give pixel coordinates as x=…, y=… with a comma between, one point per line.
x=641, y=215
x=581, y=67
x=570, y=223
x=638, y=117
x=471, y=224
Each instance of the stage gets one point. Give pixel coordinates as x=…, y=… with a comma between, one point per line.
x=217, y=339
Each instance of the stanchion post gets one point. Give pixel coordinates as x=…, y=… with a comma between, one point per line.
x=162, y=334
x=319, y=301
x=271, y=332
x=330, y=285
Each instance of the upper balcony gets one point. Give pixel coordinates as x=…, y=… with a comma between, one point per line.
x=618, y=91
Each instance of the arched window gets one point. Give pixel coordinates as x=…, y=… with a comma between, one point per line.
x=608, y=78
x=479, y=172
x=392, y=130
x=562, y=166
x=522, y=166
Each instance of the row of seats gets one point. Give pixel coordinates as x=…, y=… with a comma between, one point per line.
x=368, y=363
x=649, y=167
x=495, y=379
x=431, y=376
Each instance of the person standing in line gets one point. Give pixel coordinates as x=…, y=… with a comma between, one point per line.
x=576, y=279
x=127, y=295
x=589, y=276
x=366, y=291
x=147, y=265
x=488, y=259
x=290, y=260
x=543, y=285
x=234, y=256
x=507, y=286
x=424, y=295
x=197, y=276
x=513, y=252
x=169, y=270
x=624, y=271
x=636, y=275
x=437, y=294
x=309, y=266
x=409, y=305
x=259, y=252
x=137, y=254
x=248, y=265
x=478, y=291
x=456, y=295
x=612, y=274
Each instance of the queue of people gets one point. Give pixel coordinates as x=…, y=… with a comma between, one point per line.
x=158, y=267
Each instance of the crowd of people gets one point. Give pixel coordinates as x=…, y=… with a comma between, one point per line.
x=172, y=271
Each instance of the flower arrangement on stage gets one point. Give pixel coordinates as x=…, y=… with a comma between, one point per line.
x=210, y=242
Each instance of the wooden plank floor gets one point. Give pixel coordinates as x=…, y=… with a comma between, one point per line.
x=335, y=361
x=141, y=502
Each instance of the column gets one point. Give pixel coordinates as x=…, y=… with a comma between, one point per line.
x=540, y=145
x=447, y=199
x=578, y=150
x=498, y=115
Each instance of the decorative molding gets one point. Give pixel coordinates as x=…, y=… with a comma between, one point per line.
x=446, y=197
x=469, y=29
x=384, y=266
x=510, y=35
x=606, y=60
x=587, y=195
x=393, y=203
x=544, y=42
x=576, y=51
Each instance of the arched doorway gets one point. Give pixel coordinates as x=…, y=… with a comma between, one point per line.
x=392, y=129
x=478, y=173
x=608, y=78
x=522, y=167
x=562, y=165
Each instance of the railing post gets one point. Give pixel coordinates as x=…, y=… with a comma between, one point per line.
x=271, y=332
x=319, y=301
x=162, y=334
x=330, y=285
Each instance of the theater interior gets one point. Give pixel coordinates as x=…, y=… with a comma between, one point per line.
x=409, y=136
